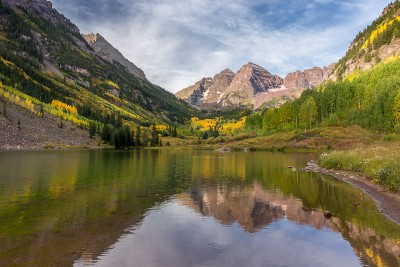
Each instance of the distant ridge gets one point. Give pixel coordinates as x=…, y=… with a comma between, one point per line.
x=251, y=86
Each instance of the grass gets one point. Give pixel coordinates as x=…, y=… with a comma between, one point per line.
x=380, y=162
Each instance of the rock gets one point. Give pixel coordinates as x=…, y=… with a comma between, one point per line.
x=106, y=51
x=114, y=92
x=327, y=214
x=45, y=10
x=251, y=86
x=306, y=209
x=309, y=78
x=224, y=149
x=250, y=80
x=227, y=89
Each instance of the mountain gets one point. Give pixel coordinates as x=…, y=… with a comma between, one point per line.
x=378, y=42
x=294, y=84
x=82, y=79
x=106, y=51
x=252, y=85
x=249, y=81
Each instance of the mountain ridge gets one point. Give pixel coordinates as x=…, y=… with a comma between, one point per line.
x=251, y=85
x=106, y=51
x=48, y=68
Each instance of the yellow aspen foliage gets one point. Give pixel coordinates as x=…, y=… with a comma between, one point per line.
x=27, y=103
x=111, y=83
x=380, y=29
x=64, y=107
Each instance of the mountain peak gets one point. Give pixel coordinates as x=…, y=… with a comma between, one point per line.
x=106, y=51
x=45, y=10
x=227, y=71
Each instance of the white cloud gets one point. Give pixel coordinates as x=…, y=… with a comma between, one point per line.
x=178, y=42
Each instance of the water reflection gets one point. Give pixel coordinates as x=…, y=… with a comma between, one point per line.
x=252, y=207
x=183, y=208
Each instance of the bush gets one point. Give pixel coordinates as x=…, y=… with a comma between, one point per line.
x=390, y=137
x=333, y=120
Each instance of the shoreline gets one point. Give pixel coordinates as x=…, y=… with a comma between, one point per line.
x=388, y=203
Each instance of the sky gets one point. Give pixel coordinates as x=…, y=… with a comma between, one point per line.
x=178, y=42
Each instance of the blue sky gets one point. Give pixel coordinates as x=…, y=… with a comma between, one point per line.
x=177, y=42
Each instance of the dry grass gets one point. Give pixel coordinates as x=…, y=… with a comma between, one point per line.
x=379, y=161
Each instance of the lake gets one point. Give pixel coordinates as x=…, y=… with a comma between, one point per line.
x=184, y=208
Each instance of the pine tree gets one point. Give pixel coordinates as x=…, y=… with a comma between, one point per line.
x=154, y=136
x=92, y=129
x=41, y=112
x=4, y=108
x=215, y=132
x=137, y=138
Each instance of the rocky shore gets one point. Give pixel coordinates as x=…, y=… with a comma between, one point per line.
x=388, y=203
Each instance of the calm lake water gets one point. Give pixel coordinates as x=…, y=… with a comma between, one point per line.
x=184, y=208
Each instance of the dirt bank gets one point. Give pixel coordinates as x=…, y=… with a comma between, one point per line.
x=388, y=203
x=33, y=132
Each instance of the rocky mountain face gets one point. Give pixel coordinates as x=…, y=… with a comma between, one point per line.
x=45, y=10
x=309, y=78
x=47, y=50
x=252, y=86
x=106, y=51
x=249, y=81
x=378, y=42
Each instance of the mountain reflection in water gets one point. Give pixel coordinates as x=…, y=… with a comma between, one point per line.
x=252, y=207
x=184, y=208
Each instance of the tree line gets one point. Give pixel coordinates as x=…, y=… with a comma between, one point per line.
x=371, y=100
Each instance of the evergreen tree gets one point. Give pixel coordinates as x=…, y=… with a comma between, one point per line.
x=205, y=135
x=174, y=132
x=92, y=129
x=106, y=133
x=4, y=108
x=154, y=136
x=41, y=112
x=138, y=142
x=215, y=132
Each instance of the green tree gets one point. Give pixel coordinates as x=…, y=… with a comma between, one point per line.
x=92, y=129
x=215, y=132
x=396, y=108
x=154, y=136
x=106, y=133
x=138, y=141
x=41, y=112
x=308, y=112
x=4, y=108
x=204, y=135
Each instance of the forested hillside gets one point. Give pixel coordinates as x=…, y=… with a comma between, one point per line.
x=48, y=68
x=371, y=100
x=377, y=42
